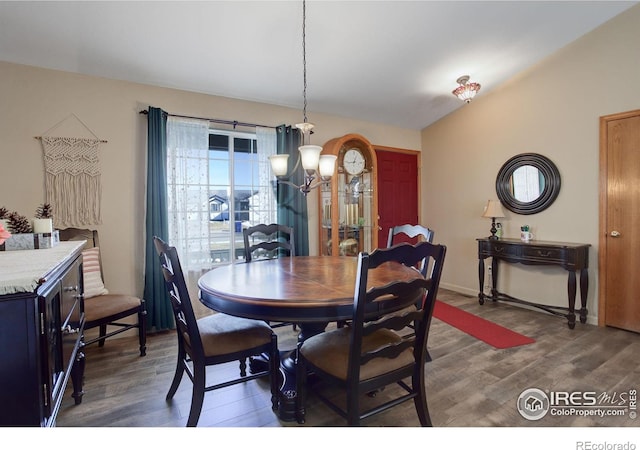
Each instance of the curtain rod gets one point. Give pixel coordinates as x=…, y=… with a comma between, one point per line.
x=235, y=123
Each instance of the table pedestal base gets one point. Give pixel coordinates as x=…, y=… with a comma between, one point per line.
x=287, y=398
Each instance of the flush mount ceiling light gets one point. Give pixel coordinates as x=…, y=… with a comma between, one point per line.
x=466, y=91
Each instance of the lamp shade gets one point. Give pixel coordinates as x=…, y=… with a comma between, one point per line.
x=493, y=209
x=279, y=164
x=310, y=155
x=327, y=165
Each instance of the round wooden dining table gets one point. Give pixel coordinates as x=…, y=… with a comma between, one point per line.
x=310, y=291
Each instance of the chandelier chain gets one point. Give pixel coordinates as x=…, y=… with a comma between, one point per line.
x=304, y=60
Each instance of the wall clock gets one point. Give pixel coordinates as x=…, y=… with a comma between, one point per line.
x=353, y=161
x=349, y=204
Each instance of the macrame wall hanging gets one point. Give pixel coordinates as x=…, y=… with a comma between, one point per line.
x=72, y=177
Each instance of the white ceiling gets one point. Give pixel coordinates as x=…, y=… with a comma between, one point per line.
x=393, y=62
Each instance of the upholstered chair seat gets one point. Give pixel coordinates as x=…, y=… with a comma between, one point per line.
x=97, y=308
x=330, y=352
x=223, y=334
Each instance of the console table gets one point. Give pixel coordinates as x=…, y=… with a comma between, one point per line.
x=570, y=256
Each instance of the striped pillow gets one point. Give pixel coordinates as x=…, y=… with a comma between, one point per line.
x=93, y=284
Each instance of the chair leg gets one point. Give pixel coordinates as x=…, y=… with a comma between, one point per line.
x=103, y=332
x=197, y=397
x=142, y=332
x=177, y=377
x=353, y=406
x=420, y=400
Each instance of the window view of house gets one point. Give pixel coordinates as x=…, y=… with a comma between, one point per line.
x=241, y=193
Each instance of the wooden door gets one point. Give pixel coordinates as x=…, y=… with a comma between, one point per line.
x=398, y=190
x=619, y=258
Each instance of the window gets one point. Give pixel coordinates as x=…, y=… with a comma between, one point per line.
x=240, y=193
x=218, y=182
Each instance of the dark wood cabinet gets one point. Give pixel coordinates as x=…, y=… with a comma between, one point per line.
x=41, y=332
x=572, y=257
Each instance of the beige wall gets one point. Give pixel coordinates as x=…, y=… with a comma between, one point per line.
x=34, y=100
x=553, y=109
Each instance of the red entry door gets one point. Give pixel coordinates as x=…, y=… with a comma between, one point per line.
x=397, y=191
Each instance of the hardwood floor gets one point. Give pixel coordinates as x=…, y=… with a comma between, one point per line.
x=469, y=383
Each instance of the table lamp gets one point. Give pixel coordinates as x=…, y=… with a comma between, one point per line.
x=493, y=210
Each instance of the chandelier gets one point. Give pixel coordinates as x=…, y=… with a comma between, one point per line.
x=318, y=169
x=466, y=91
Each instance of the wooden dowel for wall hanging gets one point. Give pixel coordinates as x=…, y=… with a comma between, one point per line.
x=100, y=140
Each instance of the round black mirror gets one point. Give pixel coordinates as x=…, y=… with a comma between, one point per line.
x=528, y=183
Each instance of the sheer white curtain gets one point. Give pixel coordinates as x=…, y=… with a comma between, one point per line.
x=266, y=201
x=188, y=191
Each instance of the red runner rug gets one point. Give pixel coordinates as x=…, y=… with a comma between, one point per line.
x=489, y=332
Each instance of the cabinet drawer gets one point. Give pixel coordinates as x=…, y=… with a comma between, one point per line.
x=71, y=310
x=543, y=253
x=71, y=289
x=498, y=249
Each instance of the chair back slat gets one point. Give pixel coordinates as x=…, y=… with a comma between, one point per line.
x=261, y=241
x=417, y=232
x=387, y=351
x=411, y=234
x=186, y=324
x=391, y=322
x=394, y=296
x=84, y=234
x=80, y=234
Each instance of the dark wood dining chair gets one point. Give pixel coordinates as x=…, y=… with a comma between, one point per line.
x=370, y=353
x=215, y=339
x=270, y=241
x=103, y=309
x=264, y=241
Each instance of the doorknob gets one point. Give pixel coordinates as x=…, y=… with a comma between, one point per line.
x=615, y=234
